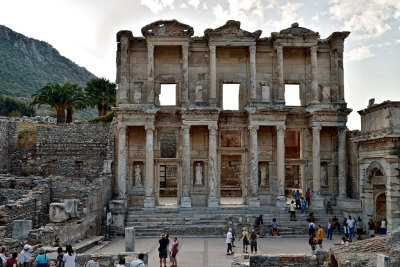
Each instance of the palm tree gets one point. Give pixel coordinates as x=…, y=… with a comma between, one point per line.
x=76, y=100
x=101, y=93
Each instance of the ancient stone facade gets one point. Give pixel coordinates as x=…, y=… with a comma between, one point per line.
x=261, y=152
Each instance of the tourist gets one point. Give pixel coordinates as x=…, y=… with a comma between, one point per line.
x=303, y=205
x=139, y=262
x=371, y=227
x=245, y=240
x=12, y=262
x=25, y=256
x=311, y=228
x=310, y=217
x=3, y=258
x=320, y=235
x=297, y=199
x=336, y=223
x=351, y=222
x=42, y=260
x=233, y=233
x=253, y=241
x=312, y=241
x=329, y=207
x=60, y=256
x=359, y=227
x=121, y=263
x=330, y=229
x=274, y=227
x=168, y=252
x=308, y=197
x=94, y=263
x=69, y=257
x=383, y=226
x=344, y=241
x=292, y=210
x=260, y=224
x=229, y=242
x=174, y=250
x=347, y=236
x=346, y=229
x=163, y=249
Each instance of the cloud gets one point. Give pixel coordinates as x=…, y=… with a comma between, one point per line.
x=359, y=53
x=398, y=41
x=288, y=14
x=156, y=6
x=183, y=5
x=315, y=18
x=194, y=3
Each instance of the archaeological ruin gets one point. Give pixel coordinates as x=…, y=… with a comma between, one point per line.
x=178, y=159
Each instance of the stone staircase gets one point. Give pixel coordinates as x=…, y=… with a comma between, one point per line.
x=204, y=222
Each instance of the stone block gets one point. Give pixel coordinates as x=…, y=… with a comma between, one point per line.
x=58, y=213
x=149, y=202
x=213, y=202
x=383, y=260
x=130, y=239
x=21, y=229
x=186, y=202
x=71, y=207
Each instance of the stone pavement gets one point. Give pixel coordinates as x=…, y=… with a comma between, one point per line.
x=211, y=252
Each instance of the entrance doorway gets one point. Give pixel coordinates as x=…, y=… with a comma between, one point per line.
x=380, y=208
x=293, y=180
x=231, y=179
x=168, y=184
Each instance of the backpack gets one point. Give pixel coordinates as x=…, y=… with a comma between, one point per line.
x=311, y=241
x=311, y=226
x=253, y=236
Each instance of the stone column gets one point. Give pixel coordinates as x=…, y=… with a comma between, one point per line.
x=185, y=73
x=280, y=165
x=314, y=75
x=212, y=167
x=254, y=200
x=123, y=85
x=253, y=88
x=281, y=82
x=150, y=73
x=122, y=156
x=149, y=201
x=213, y=74
x=342, y=161
x=185, y=200
x=316, y=201
x=339, y=53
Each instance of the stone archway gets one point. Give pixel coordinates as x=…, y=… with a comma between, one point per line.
x=380, y=207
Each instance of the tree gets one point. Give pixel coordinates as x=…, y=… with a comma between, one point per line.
x=101, y=93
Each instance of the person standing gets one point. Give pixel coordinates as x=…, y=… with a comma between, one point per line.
x=308, y=197
x=139, y=262
x=371, y=228
x=229, y=242
x=260, y=224
x=359, y=228
x=330, y=229
x=336, y=223
x=351, y=222
x=163, y=250
x=121, y=263
x=245, y=240
x=174, y=250
x=311, y=228
x=3, y=258
x=297, y=199
x=60, y=256
x=69, y=257
x=233, y=233
x=383, y=226
x=42, y=260
x=320, y=235
x=312, y=241
x=25, y=256
x=12, y=262
x=346, y=230
x=303, y=205
x=292, y=209
x=329, y=207
x=253, y=241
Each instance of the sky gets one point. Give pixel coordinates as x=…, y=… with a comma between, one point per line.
x=85, y=32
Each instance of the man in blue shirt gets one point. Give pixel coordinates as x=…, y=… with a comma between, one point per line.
x=297, y=198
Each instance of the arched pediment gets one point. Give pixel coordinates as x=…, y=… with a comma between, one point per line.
x=167, y=28
x=231, y=30
x=295, y=30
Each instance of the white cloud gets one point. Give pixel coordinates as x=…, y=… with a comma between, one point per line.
x=156, y=6
x=205, y=6
x=398, y=41
x=384, y=44
x=359, y=53
x=315, y=18
x=194, y=3
x=183, y=5
x=288, y=14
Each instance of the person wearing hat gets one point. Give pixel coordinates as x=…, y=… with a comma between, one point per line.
x=245, y=236
x=25, y=256
x=42, y=260
x=253, y=241
x=163, y=249
x=233, y=233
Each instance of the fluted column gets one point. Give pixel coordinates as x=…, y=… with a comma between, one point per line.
x=314, y=75
x=281, y=83
x=253, y=88
x=213, y=74
x=149, y=201
x=317, y=201
x=185, y=72
x=150, y=73
x=185, y=200
x=123, y=85
x=122, y=155
x=342, y=161
x=212, y=167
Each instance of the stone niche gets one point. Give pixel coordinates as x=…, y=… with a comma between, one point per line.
x=263, y=174
x=58, y=212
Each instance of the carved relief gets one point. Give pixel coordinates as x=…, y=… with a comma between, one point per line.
x=231, y=138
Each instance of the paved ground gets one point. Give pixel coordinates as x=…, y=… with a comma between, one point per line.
x=211, y=252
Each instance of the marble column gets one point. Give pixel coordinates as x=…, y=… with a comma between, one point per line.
x=280, y=165
x=122, y=156
x=185, y=73
x=342, y=161
x=281, y=82
x=254, y=200
x=317, y=201
x=314, y=75
x=149, y=201
x=212, y=167
x=339, y=53
x=150, y=73
x=123, y=86
x=253, y=87
x=185, y=200
x=213, y=74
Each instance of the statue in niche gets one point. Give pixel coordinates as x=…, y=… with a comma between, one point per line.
x=199, y=92
x=324, y=176
x=138, y=176
x=199, y=175
x=263, y=176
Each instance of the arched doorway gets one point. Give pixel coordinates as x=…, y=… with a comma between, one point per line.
x=380, y=207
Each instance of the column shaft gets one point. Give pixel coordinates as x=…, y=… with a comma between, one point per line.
x=281, y=83
x=212, y=167
x=253, y=87
x=342, y=161
x=185, y=200
x=213, y=73
x=149, y=199
x=122, y=155
x=123, y=85
x=314, y=75
x=185, y=72
x=316, y=161
x=150, y=73
x=253, y=160
x=280, y=159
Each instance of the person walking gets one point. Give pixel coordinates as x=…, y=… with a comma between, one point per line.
x=253, y=241
x=174, y=251
x=163, y=249
x=69, y=257
x=359, y=227
x=330, y=229
x=297, y=199
x=139, y=262
x=303, y=205
x=320, y=235
x=292, y=209
x=351, y=222
x=371, y=228
x=229, y=242
x=42, y=260
x=12, y=262
x=383, y=226
x=308, y=197
x=230, y=226
x=245, y=240
x=274, y=227
x=312, y=241
x=60, y=256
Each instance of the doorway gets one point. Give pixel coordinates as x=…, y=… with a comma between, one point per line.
x=380, y=208
x=231, y=179
x=168, y=185
x=293, y=180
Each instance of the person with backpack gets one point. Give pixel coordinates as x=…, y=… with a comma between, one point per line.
x=245, y=240
x=311, y=228
x=320, y=235
x=42, y=260
x=312, y=241
x=253, y=241
x=59, y=261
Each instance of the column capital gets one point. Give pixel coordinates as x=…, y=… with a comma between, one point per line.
x=185, y=46
x=212, y=127
x=212, y=48
x=252, y=48
x=253, y=128
x=316, y=129
x=121, y=127
x=313, y=49
x=149, y=128
x=279, y=48
x=150, y=46
x=342, y=129
x=281, y=128
x=185, y=127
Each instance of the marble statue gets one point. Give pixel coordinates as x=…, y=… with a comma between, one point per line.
x=199, y=175
x=138, y=176
x=263, y=176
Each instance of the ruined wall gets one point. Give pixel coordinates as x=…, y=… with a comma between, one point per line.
x=289, y=260
x=8, y=141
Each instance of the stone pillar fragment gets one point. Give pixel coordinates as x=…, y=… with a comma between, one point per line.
x=21, y=229
x=253, y=87
x=281, y=82
x=254, y=200
x=123, y=86
x=317, y=201
x=212, y=167
x=122, y=155
x=149, y=201
x=213, y=74
x=280, y=164
x=150, y=73
x=185, y=200
x=342, y=161
x=185, y=72
x=130, y=239
x=314, y=75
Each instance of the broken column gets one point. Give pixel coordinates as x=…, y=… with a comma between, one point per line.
x=130, y=239
x=21, y=229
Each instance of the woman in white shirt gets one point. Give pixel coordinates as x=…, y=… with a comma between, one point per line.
x=69, y=257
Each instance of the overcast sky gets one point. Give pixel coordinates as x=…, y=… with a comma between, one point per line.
x=84, y=31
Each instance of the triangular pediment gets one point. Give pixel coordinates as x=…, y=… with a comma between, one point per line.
x=167, y=28
x=232, y=30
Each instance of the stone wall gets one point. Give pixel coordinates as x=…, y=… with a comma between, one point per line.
x=8, y=141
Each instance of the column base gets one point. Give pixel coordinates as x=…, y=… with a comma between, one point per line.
x=317, y=203
x=149, y=202
x=186, y=202
x=213, y=202
x=254, y=202
x=281, y=202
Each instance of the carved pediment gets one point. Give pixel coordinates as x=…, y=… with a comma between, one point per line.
x=295, y=30
x=232, y=30
x=167, y=28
